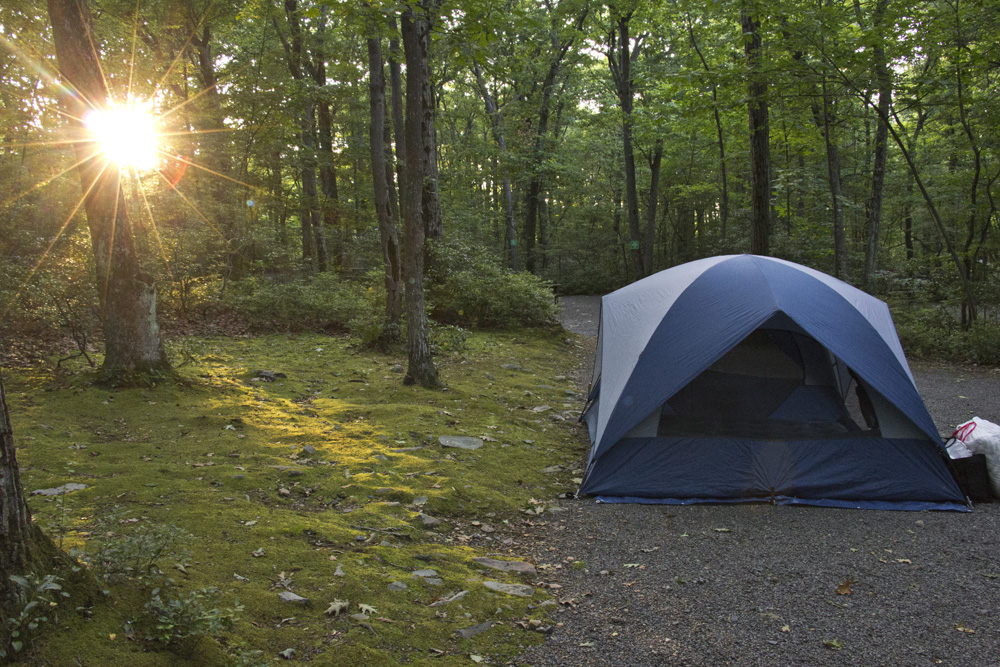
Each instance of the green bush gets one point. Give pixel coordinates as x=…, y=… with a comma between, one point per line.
x=172, y=619
x=468, y=286
x=935, y=333
x=318, y=303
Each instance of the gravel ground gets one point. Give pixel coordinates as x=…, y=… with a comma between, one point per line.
x=767, y=585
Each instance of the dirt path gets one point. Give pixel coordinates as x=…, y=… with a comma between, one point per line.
x=766, y=585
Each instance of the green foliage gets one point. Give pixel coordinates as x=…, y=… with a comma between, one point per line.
x=323, y=302
x=134, y=554
x=195, y=614
x=935, y=333
x=468, y=286
x=38, y=598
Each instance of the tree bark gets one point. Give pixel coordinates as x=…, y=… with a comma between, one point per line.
x=622, y=56
x=419, y=153
x=20, y=540
x=127, y=294
x=384, y=200
x=654, y=197
x=760, y=148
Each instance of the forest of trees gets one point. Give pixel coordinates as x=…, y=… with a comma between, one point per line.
x=586, y=143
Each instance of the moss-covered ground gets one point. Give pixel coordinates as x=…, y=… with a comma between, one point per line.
x=311, y=484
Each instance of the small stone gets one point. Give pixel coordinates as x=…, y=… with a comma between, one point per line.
x=288, y=596
x=398, y=368
x=469, y=633
x=309, y=450
x=460, y=442
x=59, y=490
x=397, y=586
x=920, y=522
x=519, y=590
x=295, y=473
x=511, y=367
x=237, y=476
x=534, y=623
x=360, y=617
x=428, y=521
x=420, y=500
x=547, y=603
x=284, y=493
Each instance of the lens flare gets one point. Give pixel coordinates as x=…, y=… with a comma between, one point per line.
x=126, y=135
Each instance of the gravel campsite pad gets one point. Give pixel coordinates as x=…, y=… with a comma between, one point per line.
x=757, y=584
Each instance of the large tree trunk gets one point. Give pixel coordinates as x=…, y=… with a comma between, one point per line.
x=23, y=546
x=127, y=294
x=622, y=55
x=419, y=154
x=384, y=197
x=760, y=137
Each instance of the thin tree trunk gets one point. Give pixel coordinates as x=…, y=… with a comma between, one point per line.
x=760, y=149
x=873, y=207
x=127, y=294
x=824, y=119
x=496, y=124
x=419, y=153
x=720, y=139
x=396, y=85
x=654, y=195
x=622, y=55
x=386, y=212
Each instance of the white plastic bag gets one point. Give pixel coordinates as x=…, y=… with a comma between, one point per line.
x=983, y=437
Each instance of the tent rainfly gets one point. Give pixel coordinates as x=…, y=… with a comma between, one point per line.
x=728, y=379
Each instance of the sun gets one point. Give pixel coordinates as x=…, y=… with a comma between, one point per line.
x=126, y=134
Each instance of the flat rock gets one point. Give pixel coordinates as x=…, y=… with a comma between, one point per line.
x=420, y=500
x=397, y=586
x=519, y=590
x=424, y=573
x=288, y=596
x=512, y=367
x=469, y=633
x=59, y=490
x=507, y=565
x=460, y=441
x=309, y=450
x=428, y=521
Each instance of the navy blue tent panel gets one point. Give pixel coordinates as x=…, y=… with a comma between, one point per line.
x=727, y=379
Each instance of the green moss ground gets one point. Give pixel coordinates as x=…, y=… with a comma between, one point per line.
x=220, y=455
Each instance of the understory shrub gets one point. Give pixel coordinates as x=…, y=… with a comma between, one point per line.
x=935, y=333
x=316, y=303
x=173, y=618
x=468, y=286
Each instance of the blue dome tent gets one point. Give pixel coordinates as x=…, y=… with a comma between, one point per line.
x=729, y=378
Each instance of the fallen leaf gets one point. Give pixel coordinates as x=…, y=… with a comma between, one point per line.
x=337, y=607
x=964, y=629
x=631, y=565
x=722, y=530
x=786, y=628
x=475, y=658
x=367, y=609
x=258, y=553
x=845, y=588
x=904, y=560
